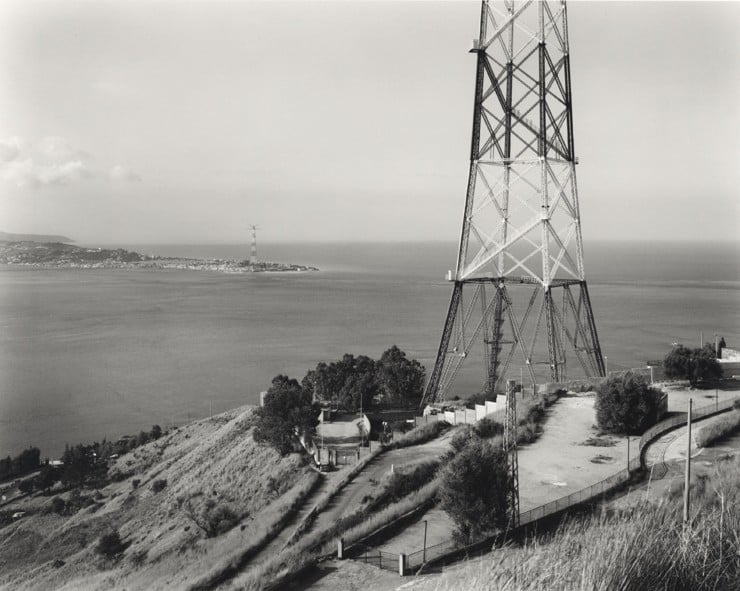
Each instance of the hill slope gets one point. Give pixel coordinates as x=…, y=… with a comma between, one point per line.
x=216, y=477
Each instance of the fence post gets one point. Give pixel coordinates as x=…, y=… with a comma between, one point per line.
x=402, y=564
x=340, y=549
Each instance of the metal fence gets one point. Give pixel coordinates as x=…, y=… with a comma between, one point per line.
x=379, y=558
x=415, y=560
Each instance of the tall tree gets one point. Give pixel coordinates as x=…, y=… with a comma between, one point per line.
x=474, y=489
x=401, y=379
x=288, y=411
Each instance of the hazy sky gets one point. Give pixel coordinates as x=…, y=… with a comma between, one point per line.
x=173, y=121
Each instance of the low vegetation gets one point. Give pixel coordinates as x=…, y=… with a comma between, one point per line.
x=646, y=547
x=725, y=426
x=627, y=404
x=401, y=483
x=420, y=434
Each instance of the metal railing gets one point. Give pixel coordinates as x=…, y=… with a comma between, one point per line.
x=379, y=558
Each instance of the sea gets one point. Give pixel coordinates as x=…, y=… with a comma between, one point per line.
x=89, y=354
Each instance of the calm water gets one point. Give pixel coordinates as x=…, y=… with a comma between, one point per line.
x=91, y=353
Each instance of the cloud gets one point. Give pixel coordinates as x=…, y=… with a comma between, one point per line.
x=28, y=173
x=51, y=161
x=121, y=173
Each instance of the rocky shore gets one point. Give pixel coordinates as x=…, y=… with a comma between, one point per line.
x=58, y=255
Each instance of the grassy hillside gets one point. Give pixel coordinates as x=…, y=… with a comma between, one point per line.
x=205, y=493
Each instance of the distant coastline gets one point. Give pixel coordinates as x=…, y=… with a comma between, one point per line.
x=60, y=255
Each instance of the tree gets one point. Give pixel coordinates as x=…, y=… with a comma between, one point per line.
x=627, y=404
x=288, y=411
x=474, y=489
x=401, y=379
x=694, y=365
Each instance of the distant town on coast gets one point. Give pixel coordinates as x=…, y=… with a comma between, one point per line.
x=41, y=251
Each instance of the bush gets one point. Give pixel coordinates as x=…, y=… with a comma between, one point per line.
x=627, y=404
x=58, y=505
x=474, y=490
x=487, y=428
x=110, y=545
x=211, y=519
x=159, y=485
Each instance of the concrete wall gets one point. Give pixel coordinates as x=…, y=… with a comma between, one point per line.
x=730, y=354
x=729, y=368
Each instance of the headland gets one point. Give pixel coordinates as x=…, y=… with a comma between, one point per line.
x=60, y=255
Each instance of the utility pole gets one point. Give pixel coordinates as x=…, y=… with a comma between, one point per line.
x=512, y=457
x=628, y=454
x=687, y=476
x=424, y=557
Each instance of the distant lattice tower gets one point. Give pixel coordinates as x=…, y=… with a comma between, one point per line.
x=520, y=256
x=512, y=454
x=253, y=251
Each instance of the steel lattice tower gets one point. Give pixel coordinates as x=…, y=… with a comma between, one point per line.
x=520, y=257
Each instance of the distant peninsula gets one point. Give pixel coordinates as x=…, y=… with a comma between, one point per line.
x=58, y=254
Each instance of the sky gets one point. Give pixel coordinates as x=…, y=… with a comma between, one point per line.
x=185, y=122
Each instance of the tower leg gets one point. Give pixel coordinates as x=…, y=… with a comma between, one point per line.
x=432, y=388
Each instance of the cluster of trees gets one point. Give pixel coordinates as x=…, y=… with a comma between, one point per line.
x=358, y=382
x=695, y=365
x=627, y=404
x=26, y=461
x=291, y=409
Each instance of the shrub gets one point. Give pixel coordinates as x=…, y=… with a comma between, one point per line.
x=626, y=404
x=159, y=485
x=58, y=505
x=211, y=519
x=736, y=404
x=474, y=490
x=135, y=483
x=110, y=545
x=487, y=428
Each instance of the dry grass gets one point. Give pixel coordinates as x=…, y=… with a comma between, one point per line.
x=209, y=463
x=421, y=434
x=725, y=426
x=644, y=548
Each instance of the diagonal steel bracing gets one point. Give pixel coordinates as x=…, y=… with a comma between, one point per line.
x=520, y=251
